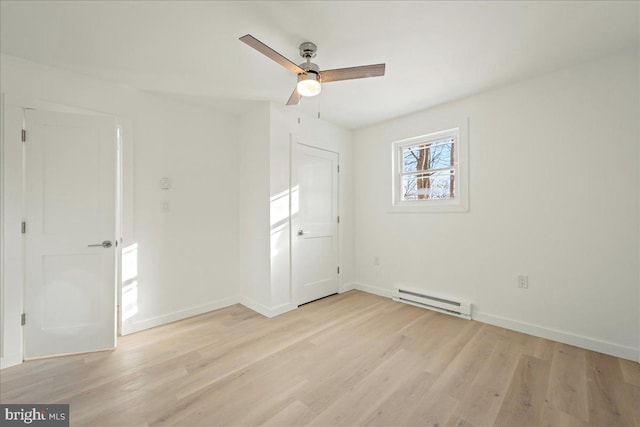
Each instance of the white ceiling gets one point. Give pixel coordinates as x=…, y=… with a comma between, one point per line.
x=435, y=51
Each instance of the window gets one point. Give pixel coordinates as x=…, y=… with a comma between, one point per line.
x=427, y=173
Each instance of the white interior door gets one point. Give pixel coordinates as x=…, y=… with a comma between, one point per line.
x=315, y=223
x=70, y=210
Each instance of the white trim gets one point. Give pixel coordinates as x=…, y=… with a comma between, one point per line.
x=140, y=325
x=11, y=360
x=12, y=271
x=2, y=269
x=28, y=102
x=346, y=287
x=264, y=310
x=565, y=337
x=383, y=292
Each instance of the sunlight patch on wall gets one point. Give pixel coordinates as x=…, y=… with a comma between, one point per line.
x=129, y=281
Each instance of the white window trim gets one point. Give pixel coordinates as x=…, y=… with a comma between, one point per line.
x=461, y=201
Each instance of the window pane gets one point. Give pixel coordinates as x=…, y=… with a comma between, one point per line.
x=434, y=155
x=410, y=155
x=441, y=156
x=423, y=186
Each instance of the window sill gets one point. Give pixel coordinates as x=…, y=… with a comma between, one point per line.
x=429, y=207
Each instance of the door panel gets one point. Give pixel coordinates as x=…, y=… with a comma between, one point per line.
x=315, y=227
x=70, y=203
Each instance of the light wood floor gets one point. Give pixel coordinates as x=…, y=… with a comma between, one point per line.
x=351, y=359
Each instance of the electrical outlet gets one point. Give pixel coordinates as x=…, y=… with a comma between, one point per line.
x=376, y=260
x=523, y=282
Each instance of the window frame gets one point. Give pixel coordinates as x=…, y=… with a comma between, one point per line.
x=459, y=203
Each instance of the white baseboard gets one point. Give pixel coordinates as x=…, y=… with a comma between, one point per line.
x=373, y=290
x=10, y=360
x=265, y=310
x=565, y=337
x=136, y=326
x=346, y=287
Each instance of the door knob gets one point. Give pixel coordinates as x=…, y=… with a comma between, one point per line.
x=105, y=244
x=300, y=232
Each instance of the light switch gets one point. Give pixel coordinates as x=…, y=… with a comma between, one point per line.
x=165, y=183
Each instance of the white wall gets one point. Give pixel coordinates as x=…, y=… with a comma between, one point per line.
x=265, y=222
x=554, y=194
x=253, y=188
x=285, y=122
x=187, y=258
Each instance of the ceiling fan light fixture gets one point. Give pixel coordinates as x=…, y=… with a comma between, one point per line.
x=309, y=84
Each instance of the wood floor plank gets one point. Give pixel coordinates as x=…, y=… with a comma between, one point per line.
x=568, y=381
x=294, y=414
x=539, y=348
x=396, y=409
x=632, y=396
x=553, y=417
x=365, y=397
x=466, y=365
x=456, y=421
x=484, y=397
x=609, y=403
x=354, y=363
x=434, y=336
x=433, y=409
x=352, y=359
x=525, y=398
x=630, y=372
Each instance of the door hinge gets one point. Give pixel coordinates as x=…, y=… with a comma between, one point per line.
x=338, y=270
x=338, y=219
x=23, y=319
x=24, y=227
x=338, y=168
x=24, y=135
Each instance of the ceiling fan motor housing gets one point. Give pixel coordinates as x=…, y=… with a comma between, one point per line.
x=308, y=50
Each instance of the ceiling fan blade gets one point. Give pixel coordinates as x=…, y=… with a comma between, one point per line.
x=352, y=73
x=294, y=99
x=267, y=51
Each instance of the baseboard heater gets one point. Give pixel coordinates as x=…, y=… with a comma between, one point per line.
x=432, y=301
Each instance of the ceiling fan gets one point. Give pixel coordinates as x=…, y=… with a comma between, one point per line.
x=309, y=74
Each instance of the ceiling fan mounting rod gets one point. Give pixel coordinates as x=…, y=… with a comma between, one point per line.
x=310, y=67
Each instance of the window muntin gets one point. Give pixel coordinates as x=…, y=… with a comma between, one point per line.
x=427, y=168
